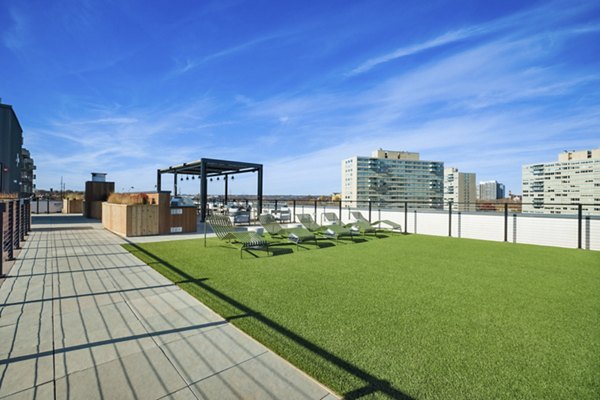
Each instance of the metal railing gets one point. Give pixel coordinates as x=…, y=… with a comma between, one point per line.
x=15, y=225
x=572, y=224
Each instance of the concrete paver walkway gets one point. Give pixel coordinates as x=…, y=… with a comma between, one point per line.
x=80, y=317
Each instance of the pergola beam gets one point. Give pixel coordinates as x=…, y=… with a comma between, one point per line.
x=208, y=167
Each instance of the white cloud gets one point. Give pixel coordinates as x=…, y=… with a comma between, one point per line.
x=521, y=23
x=446, y=38
x=16, y=36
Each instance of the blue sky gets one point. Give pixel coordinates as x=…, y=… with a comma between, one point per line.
x=126, y=87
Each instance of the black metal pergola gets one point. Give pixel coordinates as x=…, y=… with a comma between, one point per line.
x=206, y=168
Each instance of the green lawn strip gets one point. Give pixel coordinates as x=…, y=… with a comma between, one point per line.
x=435, y=317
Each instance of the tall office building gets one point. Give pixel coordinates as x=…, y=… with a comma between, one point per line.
x=490, y=190
x=11, y=142
x=392, y=177
x=558, y=187
x=460, y=188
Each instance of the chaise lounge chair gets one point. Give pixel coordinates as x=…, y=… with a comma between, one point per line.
x=221, y=225
x=358, y=226
x=294, y=235
x=392, y=226
x=329, y=231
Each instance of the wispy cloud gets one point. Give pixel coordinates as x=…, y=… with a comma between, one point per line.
x=446, y=38
x=518, y=23
x=191, y=64
x=479, y=109
x=16, y=36
x=488, y=96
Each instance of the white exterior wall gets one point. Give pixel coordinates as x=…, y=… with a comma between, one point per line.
x=55, y=206
x=545, y=230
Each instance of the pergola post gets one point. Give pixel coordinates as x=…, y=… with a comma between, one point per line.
x=158, y=180
x=259, y=191
x=175, y=184
x=226, y=178
x=203, y=191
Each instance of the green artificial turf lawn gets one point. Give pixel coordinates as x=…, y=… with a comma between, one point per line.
x=417, y=316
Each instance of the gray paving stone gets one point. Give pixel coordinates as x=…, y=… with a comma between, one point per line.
x=163, y=303
x=42, y=392
x=10, y=312
x=199, y=356
x=69, y=360
x=143, y=375
x=24, y=373
x=263, y=377
x=68, y=304
x=110, y=321
x=26, y=334
x=181, y=323
x=183, y=394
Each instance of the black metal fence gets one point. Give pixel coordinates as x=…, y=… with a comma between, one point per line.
x=572, y=214
x=15, y=225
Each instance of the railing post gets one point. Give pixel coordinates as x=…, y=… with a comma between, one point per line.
x=316, y=211
x=17, y=226
x=415, y=220
x=370, y=204
x=579, y=224
x=406, y=217
x=11, y=231
x=450, y=218
x=275, y=205
x=29, y=215
x=48, y=204
x=340, y=210
x=294, y=216
x=23, y=227
x=2, y=240
x=506, y=222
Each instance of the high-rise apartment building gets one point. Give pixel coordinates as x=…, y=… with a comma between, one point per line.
x=16, y=164
x=558, y=187
x=392, y=177
x=11, y=141
x=460, y=188
x=27, y=173
x=490, y=190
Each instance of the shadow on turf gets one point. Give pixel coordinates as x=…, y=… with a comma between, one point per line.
x=372, y=384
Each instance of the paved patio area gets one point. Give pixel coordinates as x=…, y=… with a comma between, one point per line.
x=80, y=317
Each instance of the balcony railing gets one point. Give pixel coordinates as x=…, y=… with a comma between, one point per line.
x=15, y=224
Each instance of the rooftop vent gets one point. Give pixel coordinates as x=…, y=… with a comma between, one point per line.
x=98, y=177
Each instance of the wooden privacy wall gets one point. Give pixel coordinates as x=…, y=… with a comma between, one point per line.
x=72, y=206
x=130, y=220
x=164, y=216
x=183, y=219
x=96, y=192
x=94, y=209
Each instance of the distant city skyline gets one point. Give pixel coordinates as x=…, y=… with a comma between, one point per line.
x=130, y=87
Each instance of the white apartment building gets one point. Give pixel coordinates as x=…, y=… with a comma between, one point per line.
x=391, y=178
x=557, y=187
x=490, y=190
x=460, y=188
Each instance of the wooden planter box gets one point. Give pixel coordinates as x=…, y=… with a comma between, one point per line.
x=130, y=220
x=72, y=206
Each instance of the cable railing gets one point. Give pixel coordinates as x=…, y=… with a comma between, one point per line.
x=575, y=225
x=15, y=225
